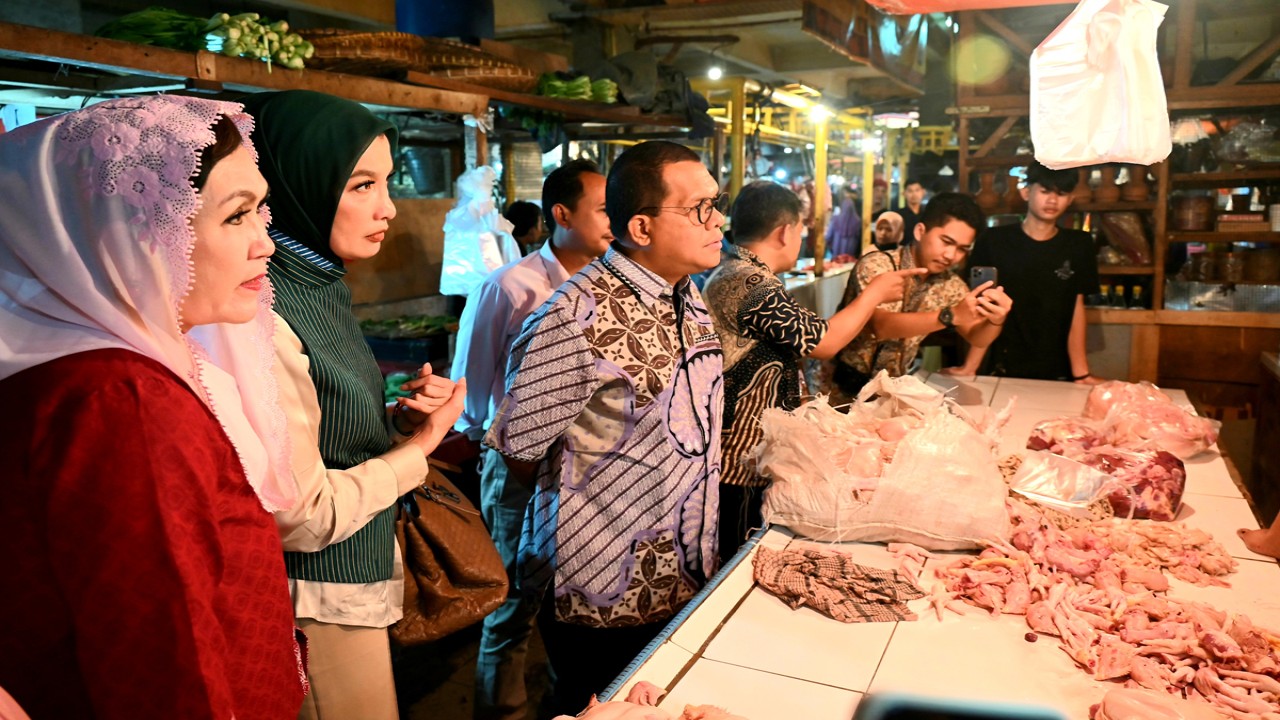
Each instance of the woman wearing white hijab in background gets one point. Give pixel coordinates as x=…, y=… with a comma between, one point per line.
x=142, y=563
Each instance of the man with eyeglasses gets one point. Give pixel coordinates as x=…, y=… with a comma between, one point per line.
x=612, y=414
x=766, y=334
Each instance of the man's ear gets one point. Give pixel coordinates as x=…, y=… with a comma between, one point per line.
x=561, y=215
x=640, y=230
x=918, y=230
x=1025, y=192
x=778, y=238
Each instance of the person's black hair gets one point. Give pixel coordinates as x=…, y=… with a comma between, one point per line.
x=912, y=181
x=760, y=208
x=635, y=181
x=564, y=187
x=1063, y=181
x=945, y=207
x=524, y=215
x=226, y=138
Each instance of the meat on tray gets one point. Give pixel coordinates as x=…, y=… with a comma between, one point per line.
x=1138, y=416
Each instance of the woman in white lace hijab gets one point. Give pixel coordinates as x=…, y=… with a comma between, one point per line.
x=143, y=565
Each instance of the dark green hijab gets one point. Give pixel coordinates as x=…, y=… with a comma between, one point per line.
x=308, y=143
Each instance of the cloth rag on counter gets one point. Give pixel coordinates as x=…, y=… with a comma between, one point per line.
x=834, y=585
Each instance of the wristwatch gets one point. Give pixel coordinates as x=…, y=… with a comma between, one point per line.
x=947, y=318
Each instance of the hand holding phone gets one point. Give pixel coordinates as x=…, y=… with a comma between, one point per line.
x=979, y=274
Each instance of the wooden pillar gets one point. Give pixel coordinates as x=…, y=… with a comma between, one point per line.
x=738, y=130
x=509, y=171
x=820, y=209
x=868, y=183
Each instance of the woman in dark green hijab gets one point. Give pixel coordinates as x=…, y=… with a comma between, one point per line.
x=328, y=162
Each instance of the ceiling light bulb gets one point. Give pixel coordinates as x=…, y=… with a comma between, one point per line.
x=715, y=73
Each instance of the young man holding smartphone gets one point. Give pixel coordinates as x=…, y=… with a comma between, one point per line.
x=943, y=239
x=1047, y=270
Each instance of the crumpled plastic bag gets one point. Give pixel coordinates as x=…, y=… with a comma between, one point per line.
x=1060, y=483
x=1062, y=435
x=1112, y=392
x=1097, y=95
x=900, y=467
x=477, y=239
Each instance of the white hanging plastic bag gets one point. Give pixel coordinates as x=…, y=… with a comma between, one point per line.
x=1097, y=95
x=477, y=239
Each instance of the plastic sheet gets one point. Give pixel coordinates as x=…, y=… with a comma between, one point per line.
x=1060, y=483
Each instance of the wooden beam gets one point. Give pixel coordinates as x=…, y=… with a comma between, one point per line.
x=1217, y=97
x=994, y=139
x=33, y=43
x=1260, y=55
x=1005, y=32
x=251, y=74
x=1182, y=46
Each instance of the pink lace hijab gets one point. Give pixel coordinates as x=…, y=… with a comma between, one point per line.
x=95, y=253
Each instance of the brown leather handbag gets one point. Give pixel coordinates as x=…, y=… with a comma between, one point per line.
x=453, y=575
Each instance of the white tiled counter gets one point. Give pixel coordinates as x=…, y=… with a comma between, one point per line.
x=739, y=647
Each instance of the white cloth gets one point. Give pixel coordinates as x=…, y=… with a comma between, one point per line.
x=95, y=252
x=477, y=238
x=494, y=314
x=333, y=504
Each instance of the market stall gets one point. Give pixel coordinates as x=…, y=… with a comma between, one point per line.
x=741, y=647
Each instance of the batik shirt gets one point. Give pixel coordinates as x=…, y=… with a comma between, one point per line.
x=765, y=333
x=615, y=386
x=868, y=354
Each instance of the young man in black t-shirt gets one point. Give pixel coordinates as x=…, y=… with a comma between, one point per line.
x=1047, y=270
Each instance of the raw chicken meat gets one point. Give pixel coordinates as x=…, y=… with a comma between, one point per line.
x=1094, y=588
x=1128, y=704
x=1106, y=395
x=641, y=705
x=1064, y=434
x=1153, y=425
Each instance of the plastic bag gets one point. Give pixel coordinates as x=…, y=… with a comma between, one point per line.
x=1097, y=95
x=942, y=490
x=1060, y=435
x=1060, y=483
x=1151, y=483
x=477, y=239
x=1112, y=392
x=1124, y=232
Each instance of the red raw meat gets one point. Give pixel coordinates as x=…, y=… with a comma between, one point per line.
x=1155, y=480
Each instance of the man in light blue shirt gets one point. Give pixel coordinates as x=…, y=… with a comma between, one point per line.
x=573, y=206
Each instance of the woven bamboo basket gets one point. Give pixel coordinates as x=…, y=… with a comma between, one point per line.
x=510, y=77
x=365, y=53
x=441, y=53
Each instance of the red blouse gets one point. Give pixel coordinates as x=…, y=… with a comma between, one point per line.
x=142, y=578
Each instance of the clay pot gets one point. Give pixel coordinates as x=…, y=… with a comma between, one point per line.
x=1136, y=189
x=987, y=197
x=1082, y=195
x=1107, y=191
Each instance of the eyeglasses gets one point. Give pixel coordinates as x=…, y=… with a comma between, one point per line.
x=703, y=208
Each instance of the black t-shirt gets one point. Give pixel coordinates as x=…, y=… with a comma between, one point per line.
x=909, y=221
x=1043, y=277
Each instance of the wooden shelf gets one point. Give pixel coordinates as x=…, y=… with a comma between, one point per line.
x=1228, y=178
x=1120, y=206
x=573, y=110
x=1194, y=318
x=213, y=72
x=1177, y=236
x=1126, y=270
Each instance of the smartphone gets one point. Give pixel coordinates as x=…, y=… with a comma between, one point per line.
x=901, y=706
x=979, y=274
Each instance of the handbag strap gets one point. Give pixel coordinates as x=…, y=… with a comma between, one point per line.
x=436, y=492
